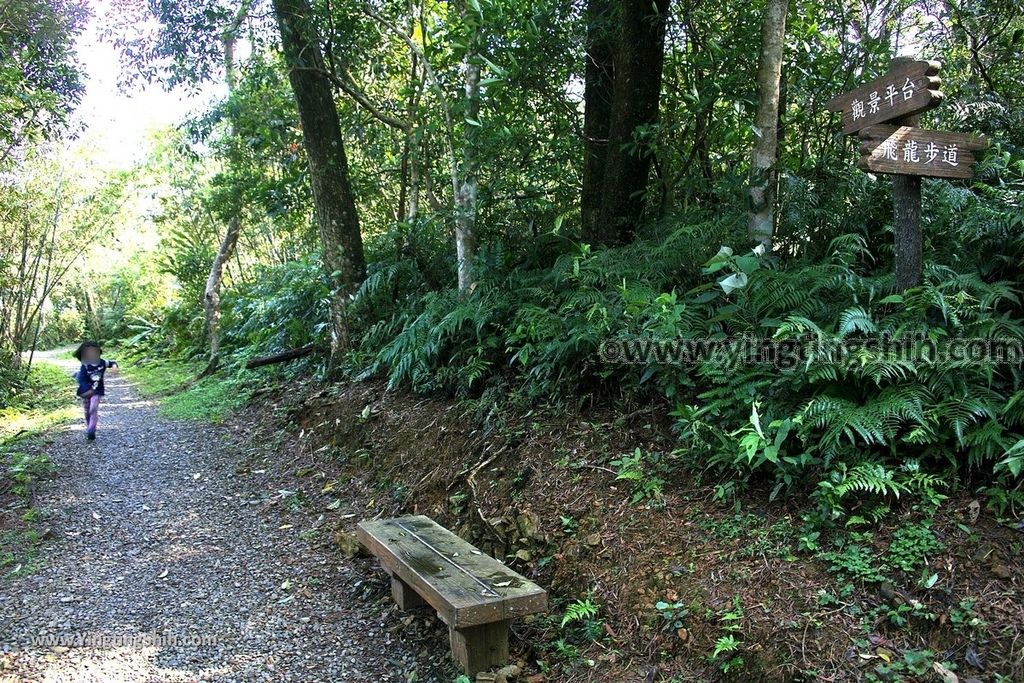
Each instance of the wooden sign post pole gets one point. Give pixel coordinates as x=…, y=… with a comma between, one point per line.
x=906, y=202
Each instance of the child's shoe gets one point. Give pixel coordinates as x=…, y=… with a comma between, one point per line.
x=90, y=436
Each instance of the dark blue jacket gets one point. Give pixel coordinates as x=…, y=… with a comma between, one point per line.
x=90, y=376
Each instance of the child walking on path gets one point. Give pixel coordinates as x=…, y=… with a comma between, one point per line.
x=90, y=382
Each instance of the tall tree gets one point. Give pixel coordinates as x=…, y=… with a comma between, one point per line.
x=466, y=185
x=598, y=91
x=636, y=95
x=464, y=173
x=334, y=203
x=763, y=162
x=211, y=295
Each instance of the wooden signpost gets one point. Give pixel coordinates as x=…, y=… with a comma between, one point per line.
x=916, y=151
x=909, y=88
x=884, y=114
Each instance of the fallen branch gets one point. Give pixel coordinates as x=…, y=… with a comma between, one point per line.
x=282, y=357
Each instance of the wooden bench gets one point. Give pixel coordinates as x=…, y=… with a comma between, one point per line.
x=474, y=594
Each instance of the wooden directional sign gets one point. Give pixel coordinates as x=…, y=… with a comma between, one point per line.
x=885, y=114
x=909, y=88
x=920, y=152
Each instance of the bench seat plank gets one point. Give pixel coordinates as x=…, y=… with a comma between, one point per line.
x=465, y=586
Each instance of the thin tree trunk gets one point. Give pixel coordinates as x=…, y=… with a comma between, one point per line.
x=211, y=295
x=408, y=203
x=465, y=195
x=598, y=92
x=463, y=175
x=92, y=318
x=763, y=167
x=337, y=219
x=639, y=56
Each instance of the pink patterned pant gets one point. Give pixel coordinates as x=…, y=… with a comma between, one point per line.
x=92, y=412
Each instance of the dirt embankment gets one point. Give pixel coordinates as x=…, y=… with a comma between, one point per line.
x=686, y=588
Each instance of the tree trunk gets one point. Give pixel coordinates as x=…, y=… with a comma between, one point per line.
x=465, y=195
x=409, y=202
x=597, y=97
x=763, y=167
x=282, y=357
x=638, y=60
x=211, y=295
x=337, y=220
x=92, y=317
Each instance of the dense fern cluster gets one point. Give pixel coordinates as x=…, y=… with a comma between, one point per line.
x=540, y=313
x=869, y=404
x=538, y=317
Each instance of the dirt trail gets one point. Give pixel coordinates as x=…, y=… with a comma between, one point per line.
x=168, y=564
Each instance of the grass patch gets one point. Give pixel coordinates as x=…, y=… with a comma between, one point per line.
x=210, y=399
x=19, y=552
x=42, y=400
x=159, y=378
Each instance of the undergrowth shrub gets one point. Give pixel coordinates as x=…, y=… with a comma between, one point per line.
x=282, y=307
x=865, y=420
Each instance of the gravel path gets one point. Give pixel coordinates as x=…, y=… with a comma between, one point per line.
x=168, y=564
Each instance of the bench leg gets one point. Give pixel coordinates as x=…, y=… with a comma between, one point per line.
x=479, y=648
x=405, y=597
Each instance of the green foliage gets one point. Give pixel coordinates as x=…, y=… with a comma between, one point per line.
x=866, y=479
x=40, y=79
x=43, y=388
x=25, y=467
x=853, y=560
x=856, y=557
x=673, y=615
x=911, y=546
x=828, y=405
x=158, y=377
x=827, y=412
x=41, y=401
x=284, y=307
x=725, y=645
x=209, y=399
x=579, y=611
x=445, y=342
x=638, y=469
x=728, y=644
